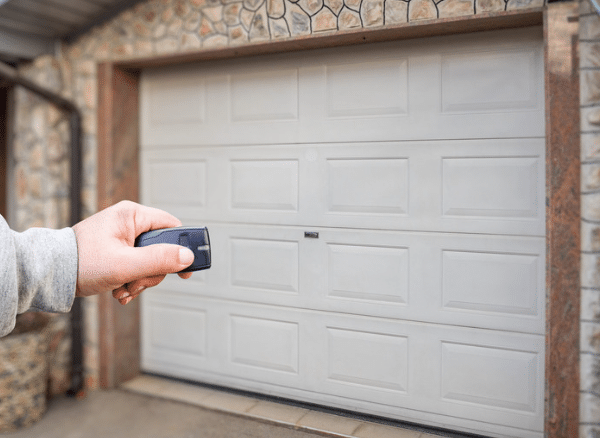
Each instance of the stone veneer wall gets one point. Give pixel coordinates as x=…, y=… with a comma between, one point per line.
x=162, y=27
x=589, y=48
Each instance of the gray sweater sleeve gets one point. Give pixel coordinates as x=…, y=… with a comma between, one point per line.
x=38, y=271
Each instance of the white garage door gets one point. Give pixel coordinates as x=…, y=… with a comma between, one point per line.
x=377, y=223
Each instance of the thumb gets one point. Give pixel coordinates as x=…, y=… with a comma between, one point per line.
x=157, y=259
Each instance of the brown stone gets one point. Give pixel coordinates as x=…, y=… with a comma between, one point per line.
x=198, y=3
x=221, y=27
x=489, y=6
x=523, y=4
x=102, y=50
x=237, y=35
x=279, y=28
x=86, y=67
x=324, y=20
x=143, y=48
x=175, y=27
x=214, y=14
x=150, y=16
x=275, y=8
x=353, y=4
x=396, y=11
x=335, y=5
x=231, y=14
x=192, y=22
x=89, y=92
x=311, y=7
x=181, y=8
x=123, y=50
x=167, y=15
x=297, y=20
x=35, y=185
x=348, y=19
x=36, y=157
x=421, y=10
x=206, y=28
x=455, y=8
x=141, y=29
x=160, y=30
x=190, y=41
x=372, y=13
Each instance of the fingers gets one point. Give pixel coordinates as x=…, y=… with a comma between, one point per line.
x=147, y=218
x=153, y=260
x=185, y=275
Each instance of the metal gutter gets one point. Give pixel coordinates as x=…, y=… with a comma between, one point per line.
x=12, y=75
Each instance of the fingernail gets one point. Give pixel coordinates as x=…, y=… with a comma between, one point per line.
x=186, y=256
x=140, y=289
x=125, y=295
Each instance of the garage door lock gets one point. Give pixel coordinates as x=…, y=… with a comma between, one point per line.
x=311, y=234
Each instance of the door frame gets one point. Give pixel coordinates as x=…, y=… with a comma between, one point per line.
x=118, y=179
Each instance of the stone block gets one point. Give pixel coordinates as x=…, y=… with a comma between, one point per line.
x=214, y=13
x=455, y=8
x=206, y=28
x=590, y=119
x=589, y=86
x=513, y=5
x=214, y=41
x=237, y=35
x=297, y=20
x=311, y=7
x=590, y=237
x=36, y=159
x=143, y=48
x=324, y=21
x=167, y=45
x=590, y=305
x=335, y=6
x=590, y=177
x=589, y=368
x=589, y=408
x=421, y=10
x=174, y=29
x=589, y=27
x=372, y=13
x=348, y=19
x=253, y=5
x=246, y=17
x=192, y=22
x=590, y=206
x=259, y=30
x=353, y=4
x=590, y=338
x=231, y=13
x=587, y=431
x=279, y=28
x=590, y=270
x=181, y=8
x=483, y=6
x=589, y=54
x=190, y=41
x=396, y=11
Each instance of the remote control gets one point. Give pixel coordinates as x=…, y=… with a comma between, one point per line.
x=195, y=239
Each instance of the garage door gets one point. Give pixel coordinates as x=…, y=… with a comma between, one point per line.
x=377, y=222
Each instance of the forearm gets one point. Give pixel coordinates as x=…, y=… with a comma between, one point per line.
x=38, y=271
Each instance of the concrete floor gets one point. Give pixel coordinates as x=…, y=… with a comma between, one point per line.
x=122, y=414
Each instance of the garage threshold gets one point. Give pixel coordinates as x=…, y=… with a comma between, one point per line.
x=298, y=416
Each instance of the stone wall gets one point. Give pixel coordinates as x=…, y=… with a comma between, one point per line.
x=162, y=27
x=589, y=46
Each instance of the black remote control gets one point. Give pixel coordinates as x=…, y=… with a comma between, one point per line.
x=195, y=239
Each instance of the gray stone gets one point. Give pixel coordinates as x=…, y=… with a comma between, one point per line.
x=372, y=13
x=279, y=28
x=237, y=35
x=489, y=6
x=589, y=117
x=590, y=206
x=246, y=17
x=590, y=237
x=586, y=431
x=259, y=30
x=590, y=86
x=353, y=4
x=589, y=27
x=590, y=271
x=190, y=41
x=297, y=20
x=167, y=45
x=590, y=309
x=589, y=54
x=589, y=408
x=253, y=5
x=523, y=4
x=215, y=41
x=396, y=11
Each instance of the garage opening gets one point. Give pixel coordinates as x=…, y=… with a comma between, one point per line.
x=377, y=222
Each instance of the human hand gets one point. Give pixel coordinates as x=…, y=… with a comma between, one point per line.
x=108, y=260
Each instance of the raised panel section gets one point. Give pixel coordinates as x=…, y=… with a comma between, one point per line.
x=264, y=264
x=368, y=359
x=368, y=273
x=177, y=99
x=264, y=343
x=367, y=89
x=503, y=283
x=504, y=187
x=489, y=81
x=264, y=185
x=368, y=185
x=188, y=335
x=264, y=96
x=178, y=183
x=489, y=376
